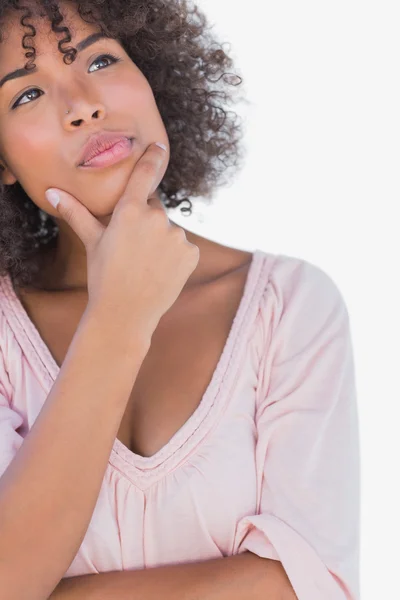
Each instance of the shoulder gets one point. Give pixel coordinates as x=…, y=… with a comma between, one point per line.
x=301, y=305
x=11, y=326
x=298, y=282
x=6, y=350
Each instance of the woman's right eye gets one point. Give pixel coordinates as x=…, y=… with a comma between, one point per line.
x=18, y=103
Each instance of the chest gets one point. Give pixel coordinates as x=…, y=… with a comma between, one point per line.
x=175, y=374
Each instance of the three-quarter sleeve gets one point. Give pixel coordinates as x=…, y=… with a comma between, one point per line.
x=307, y=449
x=10, y=419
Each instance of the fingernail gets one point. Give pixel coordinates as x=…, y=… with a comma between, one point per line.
x=161, y=145
x=53, y=197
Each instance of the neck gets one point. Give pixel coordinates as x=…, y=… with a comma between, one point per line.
x=64, y=267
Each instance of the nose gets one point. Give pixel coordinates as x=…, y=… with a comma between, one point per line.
x=76, y=115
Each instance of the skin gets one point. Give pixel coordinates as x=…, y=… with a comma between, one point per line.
x=40, y=143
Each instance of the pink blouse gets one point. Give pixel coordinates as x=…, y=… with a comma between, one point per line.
x=268, y=462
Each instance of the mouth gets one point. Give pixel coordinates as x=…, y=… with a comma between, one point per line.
x=115, y=154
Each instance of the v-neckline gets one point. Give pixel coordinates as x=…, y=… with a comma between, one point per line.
x=134, y=466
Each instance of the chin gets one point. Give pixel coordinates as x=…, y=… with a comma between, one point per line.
x=103, y=210
x=104, y=219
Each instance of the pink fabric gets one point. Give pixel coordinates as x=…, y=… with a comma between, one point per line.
x=269, y=461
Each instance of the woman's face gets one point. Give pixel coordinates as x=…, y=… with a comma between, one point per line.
x=40, y=144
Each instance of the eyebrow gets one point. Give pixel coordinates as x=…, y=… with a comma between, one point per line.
x=85, y=43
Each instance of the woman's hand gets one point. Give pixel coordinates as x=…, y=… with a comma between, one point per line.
x=138, y=265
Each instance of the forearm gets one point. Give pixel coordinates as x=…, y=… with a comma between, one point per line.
x=49, y=491
x=244, y=576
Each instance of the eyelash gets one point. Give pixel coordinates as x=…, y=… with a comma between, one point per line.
x=113, y=58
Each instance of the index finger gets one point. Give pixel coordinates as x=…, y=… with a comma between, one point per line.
x=145, y=177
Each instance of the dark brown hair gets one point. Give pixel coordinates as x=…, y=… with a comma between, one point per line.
x=170, y=43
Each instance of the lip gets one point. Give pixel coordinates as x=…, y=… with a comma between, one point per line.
x=99, y=143
x=119, y=151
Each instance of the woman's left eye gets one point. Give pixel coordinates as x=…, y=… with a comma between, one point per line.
x=113, y=58
x=110, y=57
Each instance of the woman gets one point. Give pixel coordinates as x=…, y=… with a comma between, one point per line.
x=178, y=418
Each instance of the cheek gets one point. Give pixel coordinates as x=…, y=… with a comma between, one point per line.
x=131, y=101
x=31, y=151
x=37, y=141
x=31, y=156
x=134, y=98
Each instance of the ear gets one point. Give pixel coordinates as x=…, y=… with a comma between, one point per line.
x=6, y=176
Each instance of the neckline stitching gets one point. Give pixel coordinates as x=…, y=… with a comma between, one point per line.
x=186, y=436
x=213, y=402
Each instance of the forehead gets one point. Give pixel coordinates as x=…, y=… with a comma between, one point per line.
x=45, y=40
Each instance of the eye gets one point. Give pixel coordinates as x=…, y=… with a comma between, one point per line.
x=28, y=93
x=111, y=57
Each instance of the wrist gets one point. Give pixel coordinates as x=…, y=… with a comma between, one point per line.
x=122, y=334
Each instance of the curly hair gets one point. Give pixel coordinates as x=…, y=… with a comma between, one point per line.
x=182, y=64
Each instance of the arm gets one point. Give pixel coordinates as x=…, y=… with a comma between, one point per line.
x=308, y=437
x=243, y=576
x=50, y=488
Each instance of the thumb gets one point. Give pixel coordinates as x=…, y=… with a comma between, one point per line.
x=78, y=217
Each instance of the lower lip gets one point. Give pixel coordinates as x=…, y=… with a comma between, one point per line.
x=115, y=154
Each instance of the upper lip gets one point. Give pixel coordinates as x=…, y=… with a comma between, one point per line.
x=99, y=142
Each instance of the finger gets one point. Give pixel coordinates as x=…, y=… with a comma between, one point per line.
x=145, y=178
x=155, y=202
x=78, y=217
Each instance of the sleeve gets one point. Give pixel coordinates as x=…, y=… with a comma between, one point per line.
x=10, y=419
x=307, y=450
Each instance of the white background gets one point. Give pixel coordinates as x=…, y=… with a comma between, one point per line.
x=321, y=182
